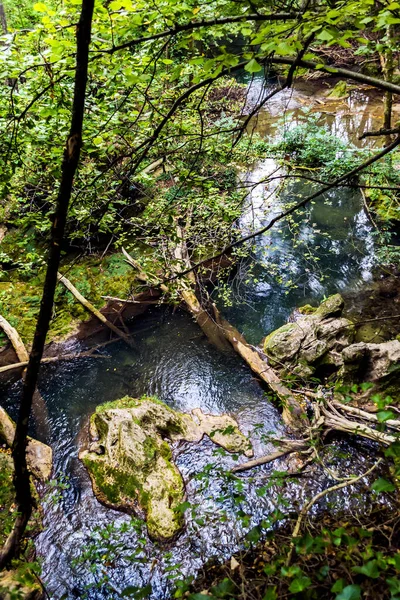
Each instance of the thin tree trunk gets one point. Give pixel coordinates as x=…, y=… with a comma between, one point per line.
x=388, y=72
x=3, y=19
x=24, y=500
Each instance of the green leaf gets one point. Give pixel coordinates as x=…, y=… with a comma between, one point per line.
x=299, y=584
x=394, y=585
x=382, y=485
x=325, y=36
x=384, y=415
x=369, y=569
x=271, y=594
x=40, y=7
x=225, y=588
x=338, y=586
x=136, y=592
x=253, y=66
x=350, y=592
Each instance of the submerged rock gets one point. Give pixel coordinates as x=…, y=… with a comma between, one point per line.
x=130, y=461
x=39, y=456
x=314, y=341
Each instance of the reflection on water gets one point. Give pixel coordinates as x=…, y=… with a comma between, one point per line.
x=326, y=247
x=347, y=118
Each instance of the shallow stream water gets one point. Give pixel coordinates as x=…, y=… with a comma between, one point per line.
x=173, y=361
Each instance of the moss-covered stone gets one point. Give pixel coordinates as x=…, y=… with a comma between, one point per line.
x=314, y=340
x=130, y=461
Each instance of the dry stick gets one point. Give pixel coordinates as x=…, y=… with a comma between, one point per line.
x=250, y=464
x=393, y=423
x=24, y=500
x=15, y=340
x=132, y=301
x=51, y=359
x=89, y=306
x=291, y=210
x=317, y=497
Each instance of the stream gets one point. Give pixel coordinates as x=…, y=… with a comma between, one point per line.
x=89, y=551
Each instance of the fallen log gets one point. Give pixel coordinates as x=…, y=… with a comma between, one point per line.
x=292, y=414
x=51, y=359
x=15, y=340
x=89, y=306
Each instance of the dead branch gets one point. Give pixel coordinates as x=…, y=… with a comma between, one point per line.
x=51, y=359
x=310, y=504
x=15, y=340
x=93, y=309
x=296, y=446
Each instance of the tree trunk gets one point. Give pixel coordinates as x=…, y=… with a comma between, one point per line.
x=3, y=19
x=24, y=501
x=388, y=71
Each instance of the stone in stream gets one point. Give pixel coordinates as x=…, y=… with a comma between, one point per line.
x=313, y=342
x=39, y=456
x=130, y=461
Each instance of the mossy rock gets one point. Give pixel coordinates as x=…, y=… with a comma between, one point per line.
x=130, y=461
x=315, y=339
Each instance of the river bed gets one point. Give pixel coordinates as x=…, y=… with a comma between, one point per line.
x=91, y=551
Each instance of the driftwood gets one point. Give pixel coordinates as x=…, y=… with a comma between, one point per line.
x=94, y=310
x=292, y=414
x=328, y=416
x=295, y=446
x=15, y=340
x=51, y=359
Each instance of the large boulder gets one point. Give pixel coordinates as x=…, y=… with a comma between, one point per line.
x=39, y=456
x=313, y=342
x=129, y=458
x=373, y=363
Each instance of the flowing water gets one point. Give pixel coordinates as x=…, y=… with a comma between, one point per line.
x=174, y=361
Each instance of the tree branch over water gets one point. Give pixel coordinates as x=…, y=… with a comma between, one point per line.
x=292, y=209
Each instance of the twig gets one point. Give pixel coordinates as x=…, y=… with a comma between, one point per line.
x=317, y=497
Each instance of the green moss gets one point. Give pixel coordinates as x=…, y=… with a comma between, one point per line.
x=307, y=309
x=20, y=292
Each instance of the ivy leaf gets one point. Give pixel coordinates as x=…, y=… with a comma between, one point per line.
x=384, y=415
x=299, y=584
x=136, y=592
x=382, y=485
x=369, y=569
x=270, y=594
x=253, y=66
x=350, y=592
